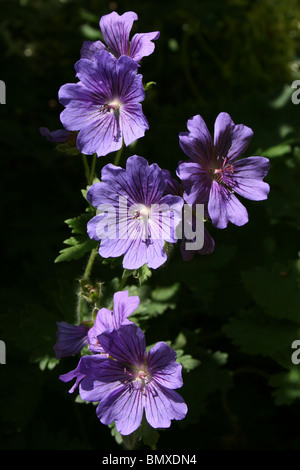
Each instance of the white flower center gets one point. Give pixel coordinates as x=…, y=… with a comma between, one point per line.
x=140, y=211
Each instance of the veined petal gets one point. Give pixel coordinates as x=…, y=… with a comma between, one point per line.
x=231, y=140
x=102, y=136
x=136, y=254
x=197, y=143
x=99, y=76
x=162, y=405
x=102, y=376
x=125, y=344
x=70, y=339
x=89, y=48
x=146, y=181
x=161, y=363
x=116, y=29
x=113, y=248
x=124, y=406
x=130, y=87
x=77, y=92
x=196, y=182
x=133, y=123
x=248, y=174
x=165, y=218
x=141, y=45
x=124, y=305
x=224, y=207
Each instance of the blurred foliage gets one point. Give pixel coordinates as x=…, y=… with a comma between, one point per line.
x=231, y=316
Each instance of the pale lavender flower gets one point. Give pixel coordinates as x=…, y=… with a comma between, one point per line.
x=137, y=216
x=130, y=381
x=115, y=31
x=214, y=173
x=71, y=339
x=105, y=105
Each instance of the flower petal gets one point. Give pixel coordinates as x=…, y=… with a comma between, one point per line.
x=99, y=76
x=126, y=344
x=124, y=406
x=224, y=207
x=70, y=339
x=162, y=405
x=141, y=45
x=231, y=140
x=196, y=182
x=102, y=136
x=102, y=376
x=89, y=48
x=116, y=30
x=133, y=123
x=161, y=363
x=124, y=305
x=197, y=143
x=113, y=248
x=248, y=176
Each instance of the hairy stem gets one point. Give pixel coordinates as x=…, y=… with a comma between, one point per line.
x=86, y=275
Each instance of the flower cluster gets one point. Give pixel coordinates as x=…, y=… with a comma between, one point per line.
x=140, y=209
x=121, y=376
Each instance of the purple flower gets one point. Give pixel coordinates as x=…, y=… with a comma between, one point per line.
x=70, y=339
x=60, y=135
x=137, y=217
x=214, y=173
x=189, y=219
x=123, y=306
x=115, y=30
x=104, y=106
x=129, y=381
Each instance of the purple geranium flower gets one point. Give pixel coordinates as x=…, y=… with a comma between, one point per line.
x=59, y=135
x=123, y=306
x=115, y=30
x=129, y=381
x=70, y=339
x=137, y=216
x=214, y=172
x=104, y=106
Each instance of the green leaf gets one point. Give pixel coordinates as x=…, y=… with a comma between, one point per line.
x=148, y=434
x=257, y=334
x=78, y=224
x=276, y=290
x=276, y=151
x=76, y=250
x=188, y=362
x=90, y=33
x=115, y=433
x=287, y=386
x=67, y=149
x=202, y=382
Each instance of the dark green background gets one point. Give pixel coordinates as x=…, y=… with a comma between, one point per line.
x=237, y=309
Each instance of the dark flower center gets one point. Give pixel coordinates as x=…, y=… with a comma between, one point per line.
x=225, y=169
x=139, y=378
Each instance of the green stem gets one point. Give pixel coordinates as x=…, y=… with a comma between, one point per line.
x=118, y=156
x=92, y=172
x=85, y=277
x=86, y=167
x=89, y=265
